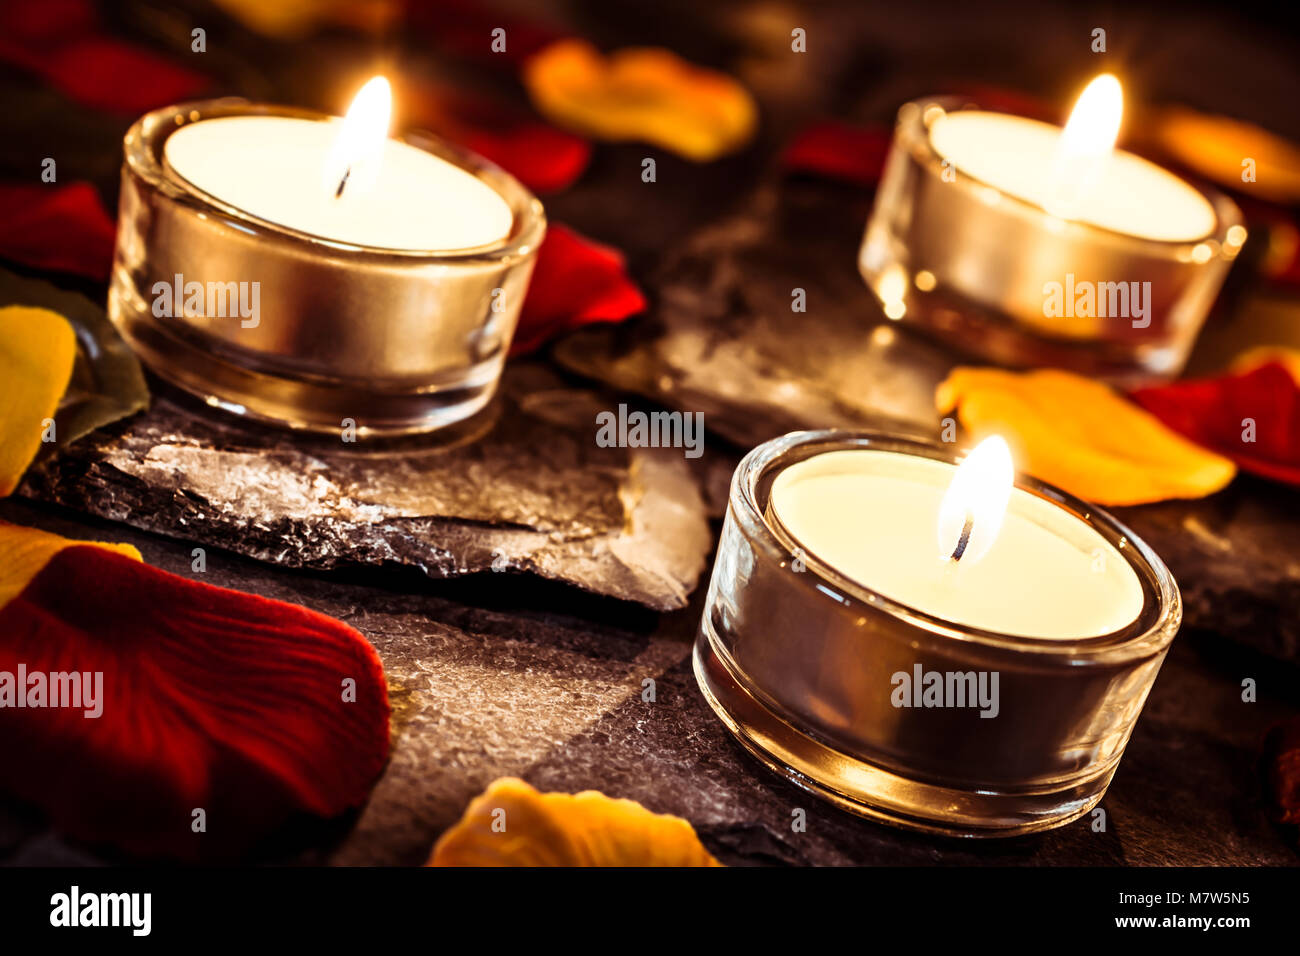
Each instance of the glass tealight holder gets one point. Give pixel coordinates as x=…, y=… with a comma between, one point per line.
x=799, y=661
x=968, y=264
x=381, y=341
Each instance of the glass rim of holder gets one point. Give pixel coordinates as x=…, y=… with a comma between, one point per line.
x=985, y=297
x=797, y=701
x=399, y=341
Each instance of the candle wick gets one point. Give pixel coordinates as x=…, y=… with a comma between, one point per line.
x=343, y=182
x=964, y=539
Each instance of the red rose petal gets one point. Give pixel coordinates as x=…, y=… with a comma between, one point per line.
x=61, y=41
x=855, y=154
x=465, y=27
x=543, y=158
x=105, y=74
x=576, y=281
x=1212, y=412
x=65, y=228
x=1282, y=770
x=1001, y=99
x=42, y=22
x=212, y=699
x=1287, y=271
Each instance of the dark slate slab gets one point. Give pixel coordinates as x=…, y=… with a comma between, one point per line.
x=723, y=338
x=546, y=684
x=522, y=488
x=1235, y=558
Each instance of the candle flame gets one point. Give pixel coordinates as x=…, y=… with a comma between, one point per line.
x=976, y=501
x=1086, y=145
x=1094, y=122
x=353, y=164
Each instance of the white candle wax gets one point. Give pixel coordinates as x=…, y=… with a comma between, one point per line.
x=872, y=515
x=271, y=167
x=1020, y=156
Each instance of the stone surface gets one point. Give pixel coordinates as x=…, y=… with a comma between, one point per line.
x=1235, y=559
x=524, y=488
x=724, y=340
x=505, y=675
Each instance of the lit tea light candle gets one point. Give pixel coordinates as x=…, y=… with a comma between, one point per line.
x=1076, y=173
x=980, y=216
x=855, y=564
x=378, y=281
x=342, y=180
x=1006, y=561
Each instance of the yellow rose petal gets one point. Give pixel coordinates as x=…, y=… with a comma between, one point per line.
x=1253, y=358
x=294, y=19
x=511, y=824
x=643, y=93
x=1224, y=149
x=1080, y=435
x=25, y=551
x=37, y=352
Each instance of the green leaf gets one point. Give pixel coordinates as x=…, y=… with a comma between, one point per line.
x=107, y=381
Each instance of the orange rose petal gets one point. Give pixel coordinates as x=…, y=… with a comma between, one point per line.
x=643, y=93
x=37, y=352
x=1253, y=358
x=1082, y=436
x=511, y=824
x=295, y=19
x=1217, y=147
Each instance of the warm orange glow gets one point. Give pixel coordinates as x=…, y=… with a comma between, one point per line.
x=892, y=287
